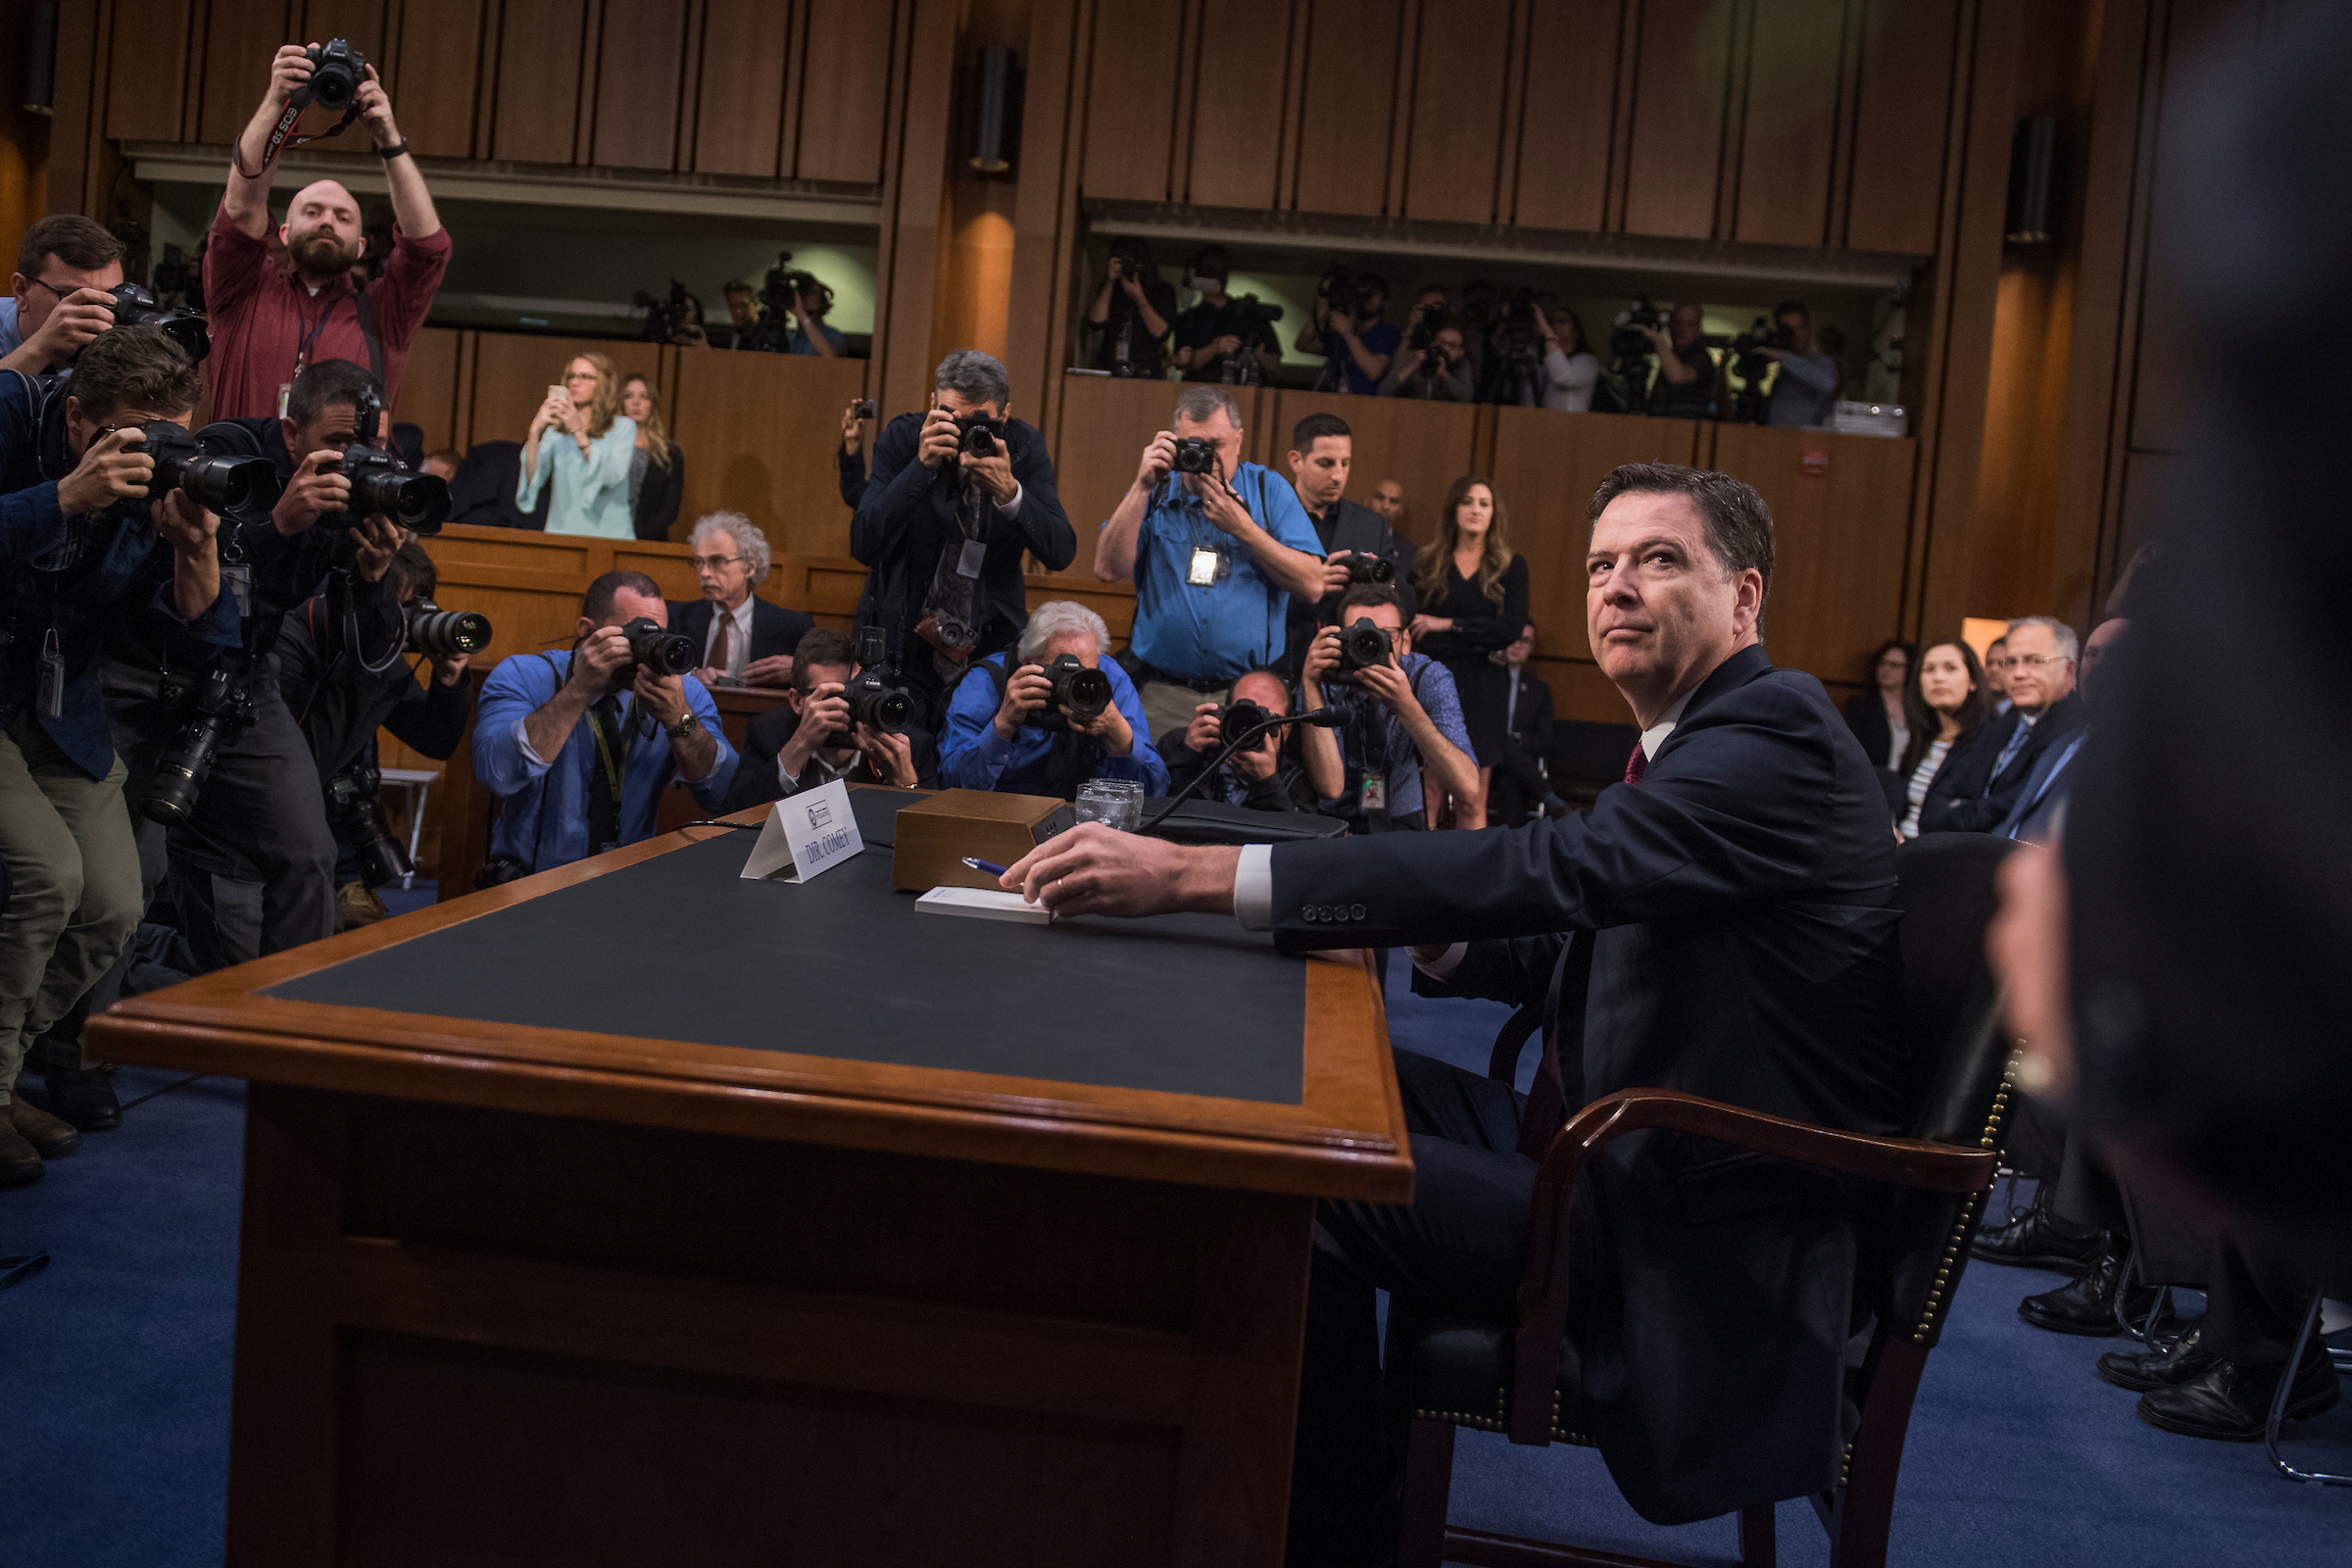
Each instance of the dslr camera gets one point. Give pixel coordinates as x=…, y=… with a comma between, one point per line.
x=336, y=71
x=1342, y=290
x=381, y=482
x=1363, y=644
x=1196, y=453
x=240, y=489
x=216, y=705
x=355, y=804
x=1238, y=719
x=1078, y=693
x=664, y=652
x=443, y=633
x=878, y=695
x=1370, y=568
x=1432, y=320
x=982, y=436
x=134, y=306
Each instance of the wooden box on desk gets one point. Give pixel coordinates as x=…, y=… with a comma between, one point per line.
x=936, y=834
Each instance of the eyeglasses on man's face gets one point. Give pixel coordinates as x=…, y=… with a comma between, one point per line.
x=715, y=562
x=2030, y=660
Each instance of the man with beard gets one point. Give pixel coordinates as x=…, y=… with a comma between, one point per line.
x=271, y=319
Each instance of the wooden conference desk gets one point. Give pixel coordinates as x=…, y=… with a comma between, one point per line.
x=637, y=1213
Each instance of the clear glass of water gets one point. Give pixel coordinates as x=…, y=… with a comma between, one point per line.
x=1115, y=802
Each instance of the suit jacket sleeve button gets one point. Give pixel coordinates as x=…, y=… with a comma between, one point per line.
x=1357, y=914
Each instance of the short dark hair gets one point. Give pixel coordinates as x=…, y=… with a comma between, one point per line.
x=134, y=368
x=321, y=386
x=597, y=602
x=820, y=646
x=1367, y=595
x=1314, y=427
x=1791, y=308
x=78, y=241
x=415, y=568
x=1738, y=523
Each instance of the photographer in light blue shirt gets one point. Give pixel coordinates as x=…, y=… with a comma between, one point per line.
x=1216, y=554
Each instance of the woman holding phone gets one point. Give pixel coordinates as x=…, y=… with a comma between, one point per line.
x=581, y=442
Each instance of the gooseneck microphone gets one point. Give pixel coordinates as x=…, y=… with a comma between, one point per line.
x=1321, y=718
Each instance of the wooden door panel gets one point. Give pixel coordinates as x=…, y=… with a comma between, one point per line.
x=637, y=82
x=739, y=112
x=1899, y=123
x=437, y=75
x=1351, y=106
x=1237, y=116
x=1131, y=103
x=1785, y=149
x=759, y=431
x=844, y=84
x=1682, y=83
x=1564, y=122
x=428, y=393
x=541, y=48
x=147, y=74
x=1453, y=165
x=240, y=43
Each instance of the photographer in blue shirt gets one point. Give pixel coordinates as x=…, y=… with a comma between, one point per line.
x=1216, y=551
x=1005, y=731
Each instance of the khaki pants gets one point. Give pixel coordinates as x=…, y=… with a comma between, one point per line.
x=1169, y=706
x=73, y=885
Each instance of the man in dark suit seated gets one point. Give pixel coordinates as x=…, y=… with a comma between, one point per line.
x=1975, y=790
x=1723, y=923
x=1521, y=790
x=746, y=640
x=810, y=740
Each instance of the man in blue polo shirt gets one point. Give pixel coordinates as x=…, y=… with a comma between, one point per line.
x=1216, y=557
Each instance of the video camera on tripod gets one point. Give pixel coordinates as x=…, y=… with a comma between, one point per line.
x=1630, y=350
x=1750, y=366
x=781, y=293
x=665, y=320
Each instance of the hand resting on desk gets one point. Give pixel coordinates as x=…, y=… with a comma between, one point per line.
x=1094, y=869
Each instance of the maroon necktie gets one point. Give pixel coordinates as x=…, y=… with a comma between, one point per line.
x=1636, y=765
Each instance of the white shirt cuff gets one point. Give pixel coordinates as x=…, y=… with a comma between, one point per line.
x=1012, y=507
x=1442, y=966
x=522, y=738
x=1253, y=888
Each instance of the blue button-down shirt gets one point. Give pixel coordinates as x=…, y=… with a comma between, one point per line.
x=1376, y=736
x=972, y=755
x=1223, y=630
x=544, y=822
x=11, y=339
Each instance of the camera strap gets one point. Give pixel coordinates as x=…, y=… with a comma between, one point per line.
x=278, y=141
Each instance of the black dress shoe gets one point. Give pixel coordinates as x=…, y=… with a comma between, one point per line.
x=20, y=1162
x=2032, y=1240
x=2142, y=1370
x=2232, y=1403
x=84, y=1096
x=2087, y=1305
x=50, y=1137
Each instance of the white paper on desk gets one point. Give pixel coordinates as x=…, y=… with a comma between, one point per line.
x=988, y=904
x=809, y=833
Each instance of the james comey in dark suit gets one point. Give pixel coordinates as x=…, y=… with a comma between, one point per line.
x=1721, y=923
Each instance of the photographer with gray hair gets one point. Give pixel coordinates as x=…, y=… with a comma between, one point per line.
x=746, y=641
x=959, y=493
x=1052, y=715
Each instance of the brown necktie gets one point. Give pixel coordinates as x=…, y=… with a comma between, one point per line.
x=718, y=644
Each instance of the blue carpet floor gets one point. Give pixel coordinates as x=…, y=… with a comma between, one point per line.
x=114, y=1390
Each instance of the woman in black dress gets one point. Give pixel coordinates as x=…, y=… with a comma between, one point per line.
x=1473, y=596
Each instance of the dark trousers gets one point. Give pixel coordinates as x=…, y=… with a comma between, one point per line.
x=1458, y=1248
x=2166, y=1248
x=1519, y=786
x=2254, y=1303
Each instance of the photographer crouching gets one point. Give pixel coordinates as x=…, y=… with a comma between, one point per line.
x=846, y=717
x=1047, y=720
x=341, y=704
x=82, y=548
x=1261, y=776
x=573, y=790
x=1405, y=721
x=958, y=494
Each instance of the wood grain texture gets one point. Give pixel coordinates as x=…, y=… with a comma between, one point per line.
x=1423, y=445
x=361, y=22
x=1785, y=148
x=745, y=64
x=1682, y=87
x=238, y=44
x=768, y=426
x=1238, y=114
x=436, y=75
x=146, y=73
x=1564, y=126
x=1908, y=63
x=428, y=395
x=1453, y=165
x=638, y=77
x=1130, y=103
x=1354, y=85
x=543, y=48
x=844, y=85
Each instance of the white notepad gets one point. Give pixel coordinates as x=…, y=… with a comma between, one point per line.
x=988, y=904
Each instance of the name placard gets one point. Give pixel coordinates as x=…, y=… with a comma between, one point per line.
x=808, y=833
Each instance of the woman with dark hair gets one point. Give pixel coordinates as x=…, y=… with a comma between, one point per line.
x=1945, y=708
x=1133, y=311
x=1876, y=714
x=657, y=470
x=1472, y=590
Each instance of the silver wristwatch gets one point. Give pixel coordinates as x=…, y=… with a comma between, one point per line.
x=692, y=722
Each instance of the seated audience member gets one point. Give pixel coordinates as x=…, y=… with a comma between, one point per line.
x=1996, y=675
x=852, y=455
x=746, y=640
x=1356, y=345
x=1876, y=714
x=1132, y=311
x=1214, y=342
x=656, y=468
x=810, y=742
x=1441, y=373
x=483, y=495
x=1387, y=499
x=1519, y=788
x=1743, y=769
x=573, y=790
x=1571, y=369
x=58, y=298
x=1978, y=788
x=942, y=531
x=579, y=446
x=443, y=465
x=1002, y=731
x=1322, y=454
x=2041, y=803
x=1944, y=706
x=1405, y=729
x=1262, y=776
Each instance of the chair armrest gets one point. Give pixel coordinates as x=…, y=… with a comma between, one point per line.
x=1543, y=1287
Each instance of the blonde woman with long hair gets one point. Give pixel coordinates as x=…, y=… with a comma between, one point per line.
x=656, y=468
x=582, y=443
x=1472, y=593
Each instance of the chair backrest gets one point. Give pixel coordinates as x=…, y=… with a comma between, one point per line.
x=1914, y=1243
x=482, y=490
x=1589, y=754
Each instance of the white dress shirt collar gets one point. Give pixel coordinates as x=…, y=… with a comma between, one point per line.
x=1655, y=736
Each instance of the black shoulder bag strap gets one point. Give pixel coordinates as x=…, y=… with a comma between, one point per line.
x=365, y=309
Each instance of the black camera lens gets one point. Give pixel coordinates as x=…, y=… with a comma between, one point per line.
x=1078, y=692
x=241, y=489
x=179, y=777
x=1196, y=453
x=1370, y=568
x=981, y=436
x=1363, y=644
x=336, y=71
x=665, y=653
x=381, y=482
x=133, y=306
x=879, y=706
x=445, y=633
x=355, y=801
x=1238, y=719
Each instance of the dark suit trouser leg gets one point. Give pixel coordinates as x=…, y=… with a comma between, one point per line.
x=1459, y=1246
x=261, y=818
x=2254, y=1303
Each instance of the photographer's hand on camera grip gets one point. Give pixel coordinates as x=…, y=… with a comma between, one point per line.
x=112, y=468
x=939, y=439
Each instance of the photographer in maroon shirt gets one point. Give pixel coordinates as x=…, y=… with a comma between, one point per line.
x=270, y=317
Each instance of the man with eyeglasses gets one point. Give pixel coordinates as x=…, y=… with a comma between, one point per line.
x=746, y=640
x=1978, y=789
x=58, y=299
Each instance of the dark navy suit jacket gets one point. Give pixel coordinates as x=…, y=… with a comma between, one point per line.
x=1726, y=927
x=1967, y=797
x=775, y=630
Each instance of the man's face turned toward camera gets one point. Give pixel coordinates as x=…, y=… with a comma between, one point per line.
x=1321, y=472
x=322, y=229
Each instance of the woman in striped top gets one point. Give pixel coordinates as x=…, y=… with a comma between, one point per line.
x=1943, y=703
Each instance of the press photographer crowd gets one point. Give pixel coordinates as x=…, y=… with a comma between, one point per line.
x=207, y=625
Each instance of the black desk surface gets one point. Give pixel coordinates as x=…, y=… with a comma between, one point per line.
x=680, y=947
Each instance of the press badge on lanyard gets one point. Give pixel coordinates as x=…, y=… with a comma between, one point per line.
x=1376, y=791
x=51, y=692
x=1210, y=567
x=967, y=564
x=237, y=579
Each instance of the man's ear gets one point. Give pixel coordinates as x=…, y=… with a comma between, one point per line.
x=584, y=630
x=1298, y=463
x=289, y=431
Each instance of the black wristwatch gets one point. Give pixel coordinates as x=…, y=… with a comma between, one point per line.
x=398, y=149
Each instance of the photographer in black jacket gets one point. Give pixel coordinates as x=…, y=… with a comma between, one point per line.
x=958, y=494
x=1264, y=776
x=810, y=740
